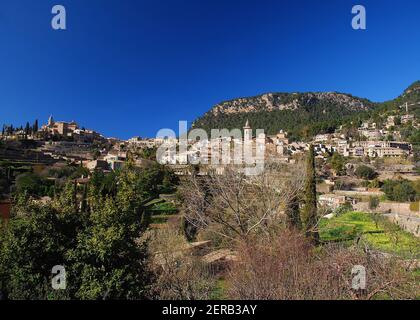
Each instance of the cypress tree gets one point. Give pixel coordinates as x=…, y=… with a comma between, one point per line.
x=309, y=213
x=27, y=128
x=83, y=206
x=35, y=127
x=293, y=213
x=74, y=196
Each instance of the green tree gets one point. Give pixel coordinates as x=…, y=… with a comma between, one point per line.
x=27, y=128
x=109, y=260
x=365, y=172
x=293, y=212
x=4, y=183
x=32, y=184
x=309, y=212
x=337, y=163
x=373, y=203
x=32, y=244
x=404, y=192
x=399, y=190
x=100, y=247
x=35, y=126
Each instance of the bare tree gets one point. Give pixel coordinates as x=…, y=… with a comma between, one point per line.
x=179, y=274
x=242, y=205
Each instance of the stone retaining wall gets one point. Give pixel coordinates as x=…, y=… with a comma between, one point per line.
x=387, y=207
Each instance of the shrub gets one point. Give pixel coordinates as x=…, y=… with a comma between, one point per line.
x=373, y=203
x=415, y=206
x=365, y=172
x=337, y=163
x=344, y=208
x=374, y=184
x=287, y=267
x=32, y=184
x=399, y=190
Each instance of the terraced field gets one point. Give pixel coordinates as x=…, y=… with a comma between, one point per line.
x=378, y=232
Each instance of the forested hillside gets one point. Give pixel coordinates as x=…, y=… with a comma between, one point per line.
x=301, y=114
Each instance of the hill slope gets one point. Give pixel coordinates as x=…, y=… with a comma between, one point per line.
x=302, y=114
x=294, y=112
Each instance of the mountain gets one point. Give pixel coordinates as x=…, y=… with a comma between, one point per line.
x=302, y=114
x=311, y=112
x=291, y=101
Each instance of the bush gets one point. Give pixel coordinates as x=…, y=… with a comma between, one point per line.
x=33, y=185
x=401, y=190
x=415, y=206
x=344, y=208
x=374, y=184
x=365, y=184
x=337, y=163
x=373, y=203
x=286, y=267
x=365, y=172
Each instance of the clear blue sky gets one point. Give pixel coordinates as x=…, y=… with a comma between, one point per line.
x=127, y=67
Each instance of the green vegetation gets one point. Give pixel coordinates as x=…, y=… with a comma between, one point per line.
x=3, y=182
x=70, y=172
x=161, y=211
x=401, y=190
x=373, y=203
x=337, y=162
x=309, y=212
x=314, y=116
x=219, y=292
x=33, y=185
x=380, y=234
x=365, y=172
x=292, y=212
x=148, y=153
x=94, y=232
x=163, y=207
x=161, y=218
x=415, y=206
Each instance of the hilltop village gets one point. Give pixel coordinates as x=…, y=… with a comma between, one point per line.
x=353, y=167
x=190, y=197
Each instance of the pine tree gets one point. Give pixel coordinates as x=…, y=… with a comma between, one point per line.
x=309, y=213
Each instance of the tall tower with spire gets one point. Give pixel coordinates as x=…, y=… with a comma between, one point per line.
x=247, y=131
x=50, y=121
